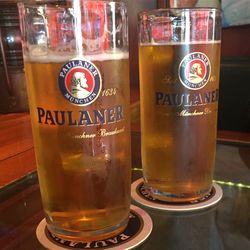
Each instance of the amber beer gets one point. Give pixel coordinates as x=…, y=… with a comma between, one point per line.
x=78, y=89
x=83, y=159
x=179, y=84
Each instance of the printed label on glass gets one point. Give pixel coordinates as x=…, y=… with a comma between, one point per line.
x=194, y=70
x=80, y=82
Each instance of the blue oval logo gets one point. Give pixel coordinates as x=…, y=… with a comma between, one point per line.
x=80, y=82
x=194, y=70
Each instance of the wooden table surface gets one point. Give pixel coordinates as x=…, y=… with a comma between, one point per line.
x=16, y=147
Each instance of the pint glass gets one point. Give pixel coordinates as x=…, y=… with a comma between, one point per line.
x=179, y=57
x=76, y=64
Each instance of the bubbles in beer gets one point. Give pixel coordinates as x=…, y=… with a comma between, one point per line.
x=178, y=124
x=43, y=55
x=84, y=177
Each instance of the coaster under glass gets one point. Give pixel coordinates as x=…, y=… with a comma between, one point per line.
x=137, y=231
x=141, y=195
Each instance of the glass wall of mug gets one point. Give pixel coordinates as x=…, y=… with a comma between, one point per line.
x=179, y=56
x=188, y=3
x=76, y=65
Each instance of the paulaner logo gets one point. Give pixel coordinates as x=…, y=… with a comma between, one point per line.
x=194, y=70
x=80, y=82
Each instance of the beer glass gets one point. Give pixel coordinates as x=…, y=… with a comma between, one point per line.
x=76, y=64
x=179, y=58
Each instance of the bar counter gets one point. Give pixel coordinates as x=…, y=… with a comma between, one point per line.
x=223, y=226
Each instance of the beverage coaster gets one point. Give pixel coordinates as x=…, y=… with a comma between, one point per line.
x=137, y=231
x=142, y=195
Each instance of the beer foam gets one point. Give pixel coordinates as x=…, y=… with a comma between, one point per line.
x=180, y=43
x=57, y=58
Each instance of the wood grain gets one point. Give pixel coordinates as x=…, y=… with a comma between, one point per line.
x=17, y=157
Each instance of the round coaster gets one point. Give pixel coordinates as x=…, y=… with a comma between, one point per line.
x=137, y=231
x=141, y=195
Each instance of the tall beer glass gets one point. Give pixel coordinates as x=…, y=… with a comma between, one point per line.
x=76, y=64
x=179, y=54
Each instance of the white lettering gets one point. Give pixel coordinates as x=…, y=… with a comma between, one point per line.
x=124, y=236
x=73, y=243
x=114, y=240
x=101, y=243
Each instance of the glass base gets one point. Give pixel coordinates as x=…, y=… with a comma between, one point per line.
x=141, y=195
x=176, y=197
x=88, y=235
x=139, y=227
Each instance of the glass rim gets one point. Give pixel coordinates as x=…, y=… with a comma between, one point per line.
x=186, y=9
x=49, y=3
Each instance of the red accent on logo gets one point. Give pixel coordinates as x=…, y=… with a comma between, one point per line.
x=88, y=76
x=195, y=67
